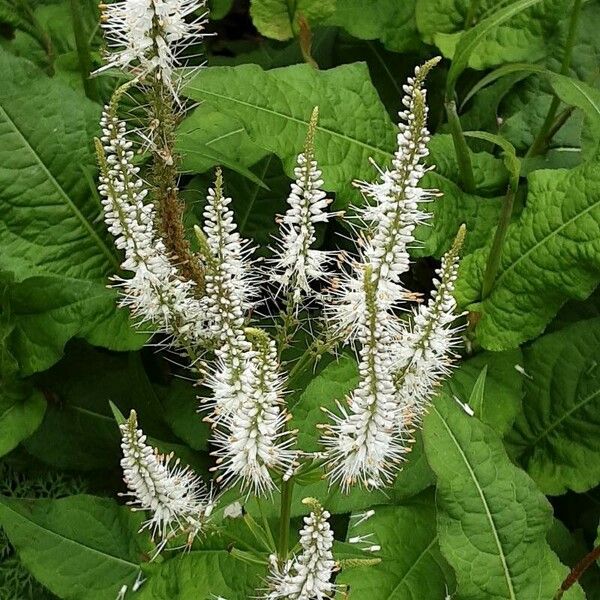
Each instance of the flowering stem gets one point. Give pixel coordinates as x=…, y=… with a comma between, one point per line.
x=546, y=131
x=460, y=147
x=83, y=51
x=493, y=261
x=284, y=519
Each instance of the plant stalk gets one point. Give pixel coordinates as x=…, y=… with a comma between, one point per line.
x=83, y=51
x=460, y=147
x=493, y=262
x=284, y=520
x=577, y=571
x=545, y=133
x=472, y=13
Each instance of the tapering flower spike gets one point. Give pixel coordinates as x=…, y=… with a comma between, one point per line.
x=308, y=575
x=176, y=498
x=425, y=353
x=151, y=35
x=229, y=288
x=252, y=440
x=155, y=293
x=364, y=443
x=296, y=264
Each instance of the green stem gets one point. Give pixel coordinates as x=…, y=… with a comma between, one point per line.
x=493, y=262
x=284, y=520
x=544, y=137
x=472, y=13
x=83, y=51
x=460, y=147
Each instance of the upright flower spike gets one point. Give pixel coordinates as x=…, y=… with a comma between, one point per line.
x=230, y=289
x=362, y=442
x=152, y=35
x=155, y=293
x=176, y=498
x=308, y=575
x=295, y=263
x=391, y=214
x=424, y=353
x=253, y=440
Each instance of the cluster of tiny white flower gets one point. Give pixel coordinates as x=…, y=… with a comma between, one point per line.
x=151, y=35
x=366, y=441
x=307, y=576
x=176, y=498
x=246, y=385
x=155, y=293
x=296, y=264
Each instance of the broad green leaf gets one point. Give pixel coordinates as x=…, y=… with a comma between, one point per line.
x=80, y=547
x=205, y=128
x=492, y=520
x=278, y=19
x=275, y=106
x=550, y=255
x=412, y=565
x=50, y=238
x=557, y=435
x=389, y=21
x=502, y=390
x=219, y=8
x=482, y=33
x=203, y=574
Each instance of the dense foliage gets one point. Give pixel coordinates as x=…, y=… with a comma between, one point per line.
x=498, y=497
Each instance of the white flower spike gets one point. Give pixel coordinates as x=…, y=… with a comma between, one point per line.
x=295, y=264
x=152, y=35
x=252, y=440
x=308, y=575
x=156, y=293
x=176, y=498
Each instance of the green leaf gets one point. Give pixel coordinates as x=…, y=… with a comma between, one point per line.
x=481, y=33
x=207, y=128
x=411, y=562
x=278, y=19
x=502, y=394
x=55, y=254
x=275, y=106
x=203, y=574
x=557, y=435
x=492, y=520
x=80, y=547
x=392, y=23
x=550, y=254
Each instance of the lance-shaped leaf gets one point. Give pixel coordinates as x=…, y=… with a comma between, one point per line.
x=557, y=436
x=492, y=520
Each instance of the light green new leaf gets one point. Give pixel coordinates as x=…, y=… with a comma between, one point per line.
x=275, y=106
x=278, y=19
x=557, y=436
x=551, y=254
x=412, y=565
x=80, y=547
x=492, y=520
x=389, y=21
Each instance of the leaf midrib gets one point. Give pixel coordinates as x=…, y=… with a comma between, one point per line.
x=418, y=559
x=93, y=234
x=281, y=115
x=69, y=540
x=484, y=502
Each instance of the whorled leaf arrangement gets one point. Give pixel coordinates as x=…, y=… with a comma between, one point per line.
x=204, y=304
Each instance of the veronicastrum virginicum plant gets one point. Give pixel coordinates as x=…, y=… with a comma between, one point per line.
x=204, y=304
